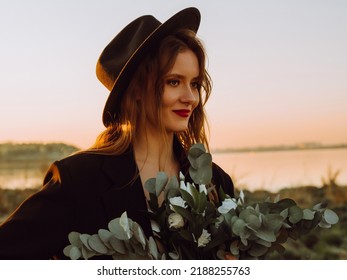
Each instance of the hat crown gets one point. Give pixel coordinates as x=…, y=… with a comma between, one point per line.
x=118, y=52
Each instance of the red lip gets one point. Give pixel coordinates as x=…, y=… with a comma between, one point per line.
x=182, y=113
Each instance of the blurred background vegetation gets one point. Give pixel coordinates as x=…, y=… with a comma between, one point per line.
x=320, y=244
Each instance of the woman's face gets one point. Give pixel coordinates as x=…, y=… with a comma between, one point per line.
x=181, y=92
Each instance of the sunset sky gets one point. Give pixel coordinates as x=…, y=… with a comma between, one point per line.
x=279, y=68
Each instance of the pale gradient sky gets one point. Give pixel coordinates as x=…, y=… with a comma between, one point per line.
x=279, y=68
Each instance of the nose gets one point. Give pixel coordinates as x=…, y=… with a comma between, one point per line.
x=190, y=95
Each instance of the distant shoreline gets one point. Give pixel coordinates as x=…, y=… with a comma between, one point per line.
x=280, y=148
x=11, y=151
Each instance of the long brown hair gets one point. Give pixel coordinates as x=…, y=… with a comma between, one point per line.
x=148, y=83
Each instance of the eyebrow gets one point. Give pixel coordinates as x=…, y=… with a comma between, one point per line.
x=179, y=76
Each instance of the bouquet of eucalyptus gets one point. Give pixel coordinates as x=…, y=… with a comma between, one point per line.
x=197, y=220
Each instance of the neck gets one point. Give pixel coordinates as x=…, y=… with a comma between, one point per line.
x=150, y=149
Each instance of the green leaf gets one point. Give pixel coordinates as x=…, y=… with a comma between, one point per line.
x=238, y=226
x=188, y=198
x=273, y=221
x=266, y=235
x=251, y=218
x=139, y=235
x=67, y=250
x=234, y=248
x=295, y=214
x=284, y=213
x=153, y=202
x=308, y=214
x=245, y=232
x=116, y=228
x=150, y=185
x=324, y=224
x=264, y=243
x=203, y=175
x=96, y=244
x=258, y=250
x=87, y=254
x=174, y=255
x=186, y=235
x=201, y=164
x=330, y=216
x=84, y=238
x=201, y=203
x=75, y=253
x=74, y=238
x=117, y=245
x=195, y=151
x=160, y=182
x=183, y=212
x=286, y=203
x=195, y=195
x=205, y=160
x=221, y=194
x=172, y=188
x=152, y=247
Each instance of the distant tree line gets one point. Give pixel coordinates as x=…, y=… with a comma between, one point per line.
x=34, y=151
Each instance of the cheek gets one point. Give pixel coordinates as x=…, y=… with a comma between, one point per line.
x=167, y=100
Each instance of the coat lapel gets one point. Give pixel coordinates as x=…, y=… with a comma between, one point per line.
x=125, y=192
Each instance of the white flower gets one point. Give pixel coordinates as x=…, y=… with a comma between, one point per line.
x=177, y=201
x=182, y=178
x=204, y=238
x=175, y=220
x=155, y=226
x=227, y=205
x=220, y=220
x=202, y=188
x=187, y=187
x=241, y=198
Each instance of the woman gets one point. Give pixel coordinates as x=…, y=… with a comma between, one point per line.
x=158, y=87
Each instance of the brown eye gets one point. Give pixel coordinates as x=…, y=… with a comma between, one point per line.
x=173, y=83
x=195, y=85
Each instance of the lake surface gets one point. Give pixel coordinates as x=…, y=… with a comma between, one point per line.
x=273, y=171
x=257, y=170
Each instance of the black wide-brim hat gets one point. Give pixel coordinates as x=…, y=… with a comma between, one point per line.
x=121, y=57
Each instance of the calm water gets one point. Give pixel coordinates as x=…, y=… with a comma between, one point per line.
x=275, y=170
x=266, y=170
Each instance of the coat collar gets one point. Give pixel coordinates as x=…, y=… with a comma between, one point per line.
x=121, y=170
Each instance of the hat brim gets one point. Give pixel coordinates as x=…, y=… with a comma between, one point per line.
x=188, y=18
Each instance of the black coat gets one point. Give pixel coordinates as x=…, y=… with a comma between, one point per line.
x=81, y=193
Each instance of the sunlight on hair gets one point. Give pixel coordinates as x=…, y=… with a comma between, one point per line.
x=126, y=127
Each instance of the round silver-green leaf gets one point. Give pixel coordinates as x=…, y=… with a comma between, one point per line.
x=74, y=238
x=96, y=244
x=118, y=245
x=330, y=216
x=295, y=214
x=160, y=182
x=75, y=253
x=308, y=214
x=258, y=250
x=84, y=238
